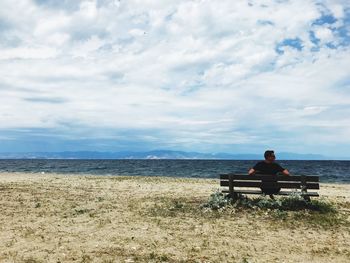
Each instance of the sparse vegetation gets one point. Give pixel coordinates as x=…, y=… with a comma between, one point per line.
x=216, y=201
x=293, y=209
x=81, y=211
x=294, y=202
x=171, y=207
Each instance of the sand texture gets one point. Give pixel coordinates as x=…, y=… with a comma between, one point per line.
x=70, y=218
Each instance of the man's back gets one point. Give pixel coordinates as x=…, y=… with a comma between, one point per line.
x=268, y=168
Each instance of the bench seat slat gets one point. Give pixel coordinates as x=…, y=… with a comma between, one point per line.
x=308, y=178
x=289, y=185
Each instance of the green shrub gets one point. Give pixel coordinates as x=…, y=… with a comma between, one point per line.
x=216, y=201
x=293, y=202
x=323, y=206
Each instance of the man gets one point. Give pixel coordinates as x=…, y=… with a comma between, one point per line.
x=268, y=166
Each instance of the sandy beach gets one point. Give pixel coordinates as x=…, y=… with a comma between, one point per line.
x=70, y=218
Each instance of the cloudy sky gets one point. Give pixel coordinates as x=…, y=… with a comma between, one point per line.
x=193, y=75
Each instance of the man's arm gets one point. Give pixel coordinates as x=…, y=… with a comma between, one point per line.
x=285, y=172
x=251, y=171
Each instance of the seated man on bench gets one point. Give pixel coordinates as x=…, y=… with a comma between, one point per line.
x=268, y=166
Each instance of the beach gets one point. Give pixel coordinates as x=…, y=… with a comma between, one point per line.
x=85, y=218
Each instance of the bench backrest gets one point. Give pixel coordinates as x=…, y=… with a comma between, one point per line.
x=303, y=182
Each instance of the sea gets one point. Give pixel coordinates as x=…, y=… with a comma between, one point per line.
x=329, y=171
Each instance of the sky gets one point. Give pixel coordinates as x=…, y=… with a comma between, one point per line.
x=191, y=75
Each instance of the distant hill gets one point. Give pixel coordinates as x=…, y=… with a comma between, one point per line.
x=157, y=154
x=298, y=156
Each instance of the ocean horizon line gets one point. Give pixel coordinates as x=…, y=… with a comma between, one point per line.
x=162, y=154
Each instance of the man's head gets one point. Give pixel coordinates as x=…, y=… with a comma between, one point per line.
x=269, y=156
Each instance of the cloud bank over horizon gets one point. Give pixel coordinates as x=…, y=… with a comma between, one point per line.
x=200, y=75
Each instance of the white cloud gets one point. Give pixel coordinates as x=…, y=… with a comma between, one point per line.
x=50, y=24
x=28, y=53
x=205, y=72
x=337, y=11
x=324, y=34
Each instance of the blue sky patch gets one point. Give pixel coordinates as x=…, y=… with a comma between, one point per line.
x=289, y=42
x=325, y=19
x=313, y=38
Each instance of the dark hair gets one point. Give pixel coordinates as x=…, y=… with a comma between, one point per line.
x=268, y=153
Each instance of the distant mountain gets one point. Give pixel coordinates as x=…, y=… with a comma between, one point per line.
x=158, y=154
x=298, y=156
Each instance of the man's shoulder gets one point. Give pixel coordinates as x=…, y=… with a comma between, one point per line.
x=276, y=164
x=260, y=163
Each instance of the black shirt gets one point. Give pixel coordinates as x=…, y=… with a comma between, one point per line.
x=268, y=168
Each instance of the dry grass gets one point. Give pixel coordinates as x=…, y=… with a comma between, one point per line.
x=56, y=218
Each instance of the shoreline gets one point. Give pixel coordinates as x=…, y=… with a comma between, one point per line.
x=89, y=218
x=137, y=176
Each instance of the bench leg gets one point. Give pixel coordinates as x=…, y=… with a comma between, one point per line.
x=233, y=196
x=307, y=198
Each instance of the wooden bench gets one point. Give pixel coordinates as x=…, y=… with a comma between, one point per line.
x=238, y=184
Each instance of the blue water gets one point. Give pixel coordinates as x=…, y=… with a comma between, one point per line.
x=329, y=171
